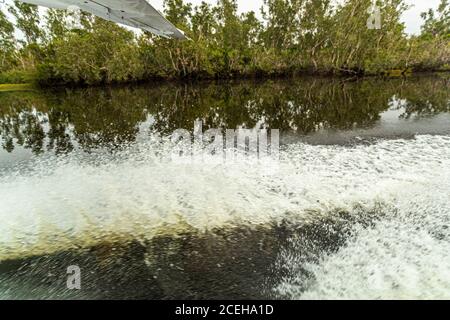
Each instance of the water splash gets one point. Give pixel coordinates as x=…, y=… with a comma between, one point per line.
x=403, y=255
x=52, y=204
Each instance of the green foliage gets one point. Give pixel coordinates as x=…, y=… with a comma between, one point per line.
x=437, y=24
x=107, y=54
x=56, y=24
x=432, y=47
x=27, y=20
x=7, y=44
x=17, y=76
x=295, y=36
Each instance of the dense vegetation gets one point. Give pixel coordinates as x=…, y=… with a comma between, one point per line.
x=294, y=37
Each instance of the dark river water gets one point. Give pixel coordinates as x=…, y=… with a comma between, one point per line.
x=356, y=206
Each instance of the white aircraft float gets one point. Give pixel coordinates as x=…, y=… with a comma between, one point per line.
x=134, y=13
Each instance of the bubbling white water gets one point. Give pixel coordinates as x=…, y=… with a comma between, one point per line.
x=52, y=204
x=404, y=255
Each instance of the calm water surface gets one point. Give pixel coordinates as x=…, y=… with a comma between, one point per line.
x=357, y=207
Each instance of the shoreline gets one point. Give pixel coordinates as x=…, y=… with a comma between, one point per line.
x=10, y=87
x=389, y=74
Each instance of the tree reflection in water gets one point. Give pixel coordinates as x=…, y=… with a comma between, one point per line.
x=61, y=120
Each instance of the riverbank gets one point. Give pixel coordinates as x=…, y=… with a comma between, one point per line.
x=16, y=87
x=330, y=41
x=392, y=73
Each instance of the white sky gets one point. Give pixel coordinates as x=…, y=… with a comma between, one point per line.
x=411, y=18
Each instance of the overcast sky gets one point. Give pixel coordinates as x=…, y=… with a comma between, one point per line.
x=411, y=18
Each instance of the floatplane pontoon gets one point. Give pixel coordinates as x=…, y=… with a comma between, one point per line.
x=134, y=13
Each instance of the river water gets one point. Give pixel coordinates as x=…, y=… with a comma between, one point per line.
x=356, y=206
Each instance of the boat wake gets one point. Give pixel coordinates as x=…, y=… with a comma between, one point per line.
x=392, y=196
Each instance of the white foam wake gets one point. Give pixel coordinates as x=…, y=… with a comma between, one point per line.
x=53, y=204
x=406, y=253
